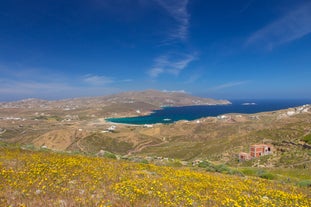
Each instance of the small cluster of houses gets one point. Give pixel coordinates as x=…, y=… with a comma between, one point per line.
x=297, y=110
x=110, y=129
x=256, y=150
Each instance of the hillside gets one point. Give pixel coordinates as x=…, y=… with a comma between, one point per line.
x=217, y=139
x=160, y=98
x=35, y=175
x=152, y=98
x=43, y=178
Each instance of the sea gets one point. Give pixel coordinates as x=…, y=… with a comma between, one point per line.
x=168, y=115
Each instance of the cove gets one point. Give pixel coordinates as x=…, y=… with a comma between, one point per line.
x=173, y=114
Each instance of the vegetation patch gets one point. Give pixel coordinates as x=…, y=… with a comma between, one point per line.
x=97, y=142
x=222, y=168
x=307, y=138
x=304, y=183
x=264, y=174
x=44, y=178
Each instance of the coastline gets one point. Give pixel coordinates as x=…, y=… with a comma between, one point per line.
x=168, y=115
x=148, y=113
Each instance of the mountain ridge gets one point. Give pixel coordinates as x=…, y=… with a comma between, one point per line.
x=153, y=97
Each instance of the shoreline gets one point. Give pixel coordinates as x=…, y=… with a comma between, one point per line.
x=213, y=114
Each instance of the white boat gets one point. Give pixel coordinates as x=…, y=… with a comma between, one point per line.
x=248, y=104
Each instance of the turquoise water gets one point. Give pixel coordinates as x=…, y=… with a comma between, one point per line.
x=172, y=114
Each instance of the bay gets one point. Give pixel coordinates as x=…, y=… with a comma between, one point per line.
x=173, y=114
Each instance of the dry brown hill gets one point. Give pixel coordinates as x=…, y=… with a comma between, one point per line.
x=152, y=98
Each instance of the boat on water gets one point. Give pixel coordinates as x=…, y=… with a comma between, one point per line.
x=167, y=119
x=248, y=104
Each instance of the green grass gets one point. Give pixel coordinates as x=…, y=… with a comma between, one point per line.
x=304, y=183
x=295, y=176
x=307, y=138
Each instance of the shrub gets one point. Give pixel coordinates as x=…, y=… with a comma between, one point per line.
x=305, y=183
x=144, y=161
x=265, y=175
x=222, y=168
x=205, y=164
x=307, y=139
x=110, y=155
x=236, y=172
x=249, y=171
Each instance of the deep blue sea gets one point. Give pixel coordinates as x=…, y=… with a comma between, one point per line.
x=172, y=114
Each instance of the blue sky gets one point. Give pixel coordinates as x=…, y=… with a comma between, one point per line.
x=55, y=49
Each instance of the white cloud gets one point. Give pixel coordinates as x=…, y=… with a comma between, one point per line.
x=294, y=25
x=171, y=64
x=228, y=85
x=177, y=9
x=97, y=80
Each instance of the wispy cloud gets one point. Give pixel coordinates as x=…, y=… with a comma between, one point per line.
x=97, y=80
x=177, y=9
x=52, y=85
x=228, y=85
x=170, y=64
x=173, y=62
x=292, y=26
x=14, y=90
x=193, y=78
x=29, y=88
x=155, y=71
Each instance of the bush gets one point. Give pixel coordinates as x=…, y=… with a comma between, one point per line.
x=222, y=168
x=237, y=172
x=307, y=139
x=110, y=155
x=305, y=183
x=265, y=175
x=144, y=161
x=205, y=164
x=249, y=171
